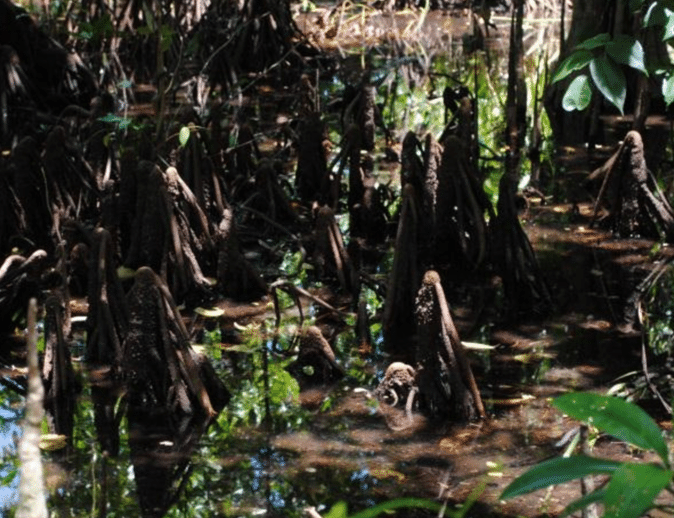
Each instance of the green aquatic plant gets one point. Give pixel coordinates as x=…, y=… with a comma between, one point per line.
x=632, y=487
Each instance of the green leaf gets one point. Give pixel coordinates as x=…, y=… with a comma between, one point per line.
x=184, y=135
x=633, y=488
x=627, y=50
x=339, y=510
x=668, y=88
x=583, y=502
x=655, y=15
x=398, y=503
x=557, y=471
x=616, y=417
x=578, y=95
x=610, y=80
x=595, y=41
x=282, y=386
x=575, y=61
x=668, y=31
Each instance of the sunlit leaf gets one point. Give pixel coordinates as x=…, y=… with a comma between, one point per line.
x=616, y=417
x=595, y=41
x=339, y=510
x=627, y=50
x=184, y=136
x=282, y=386
x=557, y=471
x=668, y=31
x=610, y=80
x=655, y=15
x=578, y=94
x=583, y=502
x=633, y=488
x=576, y=61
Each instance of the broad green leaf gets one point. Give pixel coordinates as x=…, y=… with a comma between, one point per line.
x=398, y=503
x=594, y=42
x=184, y=135
x=668, y=89
x=616, y=417
x=628, y=51
x=633, y=488
x=583, y=502
x=339, y=510
x=655, y=15
x=610, y=80
x=578, y=95
x=668, y=31
x=557, y=471
x=577, y=60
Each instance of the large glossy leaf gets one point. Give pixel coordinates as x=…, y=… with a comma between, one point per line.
x=616, y=417
x=633, y=488
x=627, y=50
x=339, y=510
x=595, y=41
x=585, y=500
x=575, y=61
x=398, y=503
x=610, y=80
x=668, y=31
x=655, y=15
x=578, y=94
x=557, y=471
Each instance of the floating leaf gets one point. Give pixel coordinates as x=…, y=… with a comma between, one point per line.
x=557, y=471
x=610, y=80
x=633, y=488
x=578, y=95
x=627, y=50
x=595, y=41
x=616, y=417
x=184, y=136
x=210, y=312
x=576, y=61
